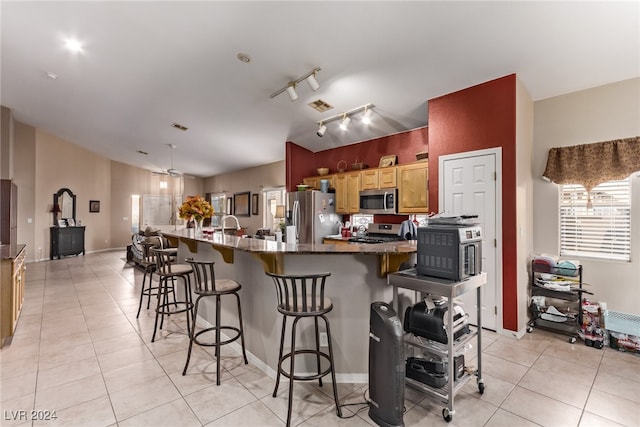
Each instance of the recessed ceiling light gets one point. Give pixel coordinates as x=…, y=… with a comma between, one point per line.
x=73, y=45
x=243, y=57
x=51, y=75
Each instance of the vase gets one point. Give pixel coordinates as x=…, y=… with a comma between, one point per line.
x=198, y=229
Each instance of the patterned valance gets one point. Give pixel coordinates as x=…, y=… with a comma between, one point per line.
x=593, y=164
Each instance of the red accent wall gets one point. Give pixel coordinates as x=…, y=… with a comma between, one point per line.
x=302, y=162
x=476, y=118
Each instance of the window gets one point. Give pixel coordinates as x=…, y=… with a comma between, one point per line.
x=596, y=224
x=271, y=199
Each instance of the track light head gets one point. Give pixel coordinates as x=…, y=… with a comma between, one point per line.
x=366, y=117
x=321, y=130
x=313, y=83
x=345, y=122
x=291, y=91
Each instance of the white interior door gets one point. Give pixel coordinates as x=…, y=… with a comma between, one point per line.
x=468, y=187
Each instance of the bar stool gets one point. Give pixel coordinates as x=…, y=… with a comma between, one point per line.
x=169, y=271
x=149, y=263
x=206, y=285
x=301, y=296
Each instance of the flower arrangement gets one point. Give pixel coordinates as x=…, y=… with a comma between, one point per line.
x=195, y=207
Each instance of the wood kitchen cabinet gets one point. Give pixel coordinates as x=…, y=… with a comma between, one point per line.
x=374, y=179
x=314, y=181
x=413, y=191
x=348, y=192
x=12, y=280
x=369, y=179
x=387, y=177
x=66, y=241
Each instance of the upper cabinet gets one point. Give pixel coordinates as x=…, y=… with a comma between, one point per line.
x=369, y=179
x=388, y=177
x=347, y=187
x=411, y=179
x=413, y=191
x=314, y=181
x=374, y=179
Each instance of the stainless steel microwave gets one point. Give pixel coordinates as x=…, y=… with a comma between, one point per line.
x=378, y=201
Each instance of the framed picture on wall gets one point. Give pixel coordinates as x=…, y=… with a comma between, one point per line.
x=242, y=204
x=254, y=204
x=94, y=205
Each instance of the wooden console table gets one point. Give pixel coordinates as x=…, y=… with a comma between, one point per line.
x=66, y=241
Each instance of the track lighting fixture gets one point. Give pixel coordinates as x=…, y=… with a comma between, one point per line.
x=345, y=118
x=290, y=88
x=311, y=80
x=345, y=121
x=366, y=116
x=321, y=130
x=291, y=91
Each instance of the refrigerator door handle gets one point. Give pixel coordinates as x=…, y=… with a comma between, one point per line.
x=296, y=218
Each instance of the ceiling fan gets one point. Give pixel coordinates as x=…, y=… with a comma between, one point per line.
x=171, y=171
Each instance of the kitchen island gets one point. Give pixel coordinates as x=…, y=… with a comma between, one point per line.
x=358, y=278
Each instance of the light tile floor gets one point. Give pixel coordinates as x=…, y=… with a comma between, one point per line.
x=80, y=351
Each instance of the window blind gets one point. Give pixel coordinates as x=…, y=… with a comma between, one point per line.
x=596, y=224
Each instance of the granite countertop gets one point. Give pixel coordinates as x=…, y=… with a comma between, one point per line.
x=260, y=246
x=11, y=251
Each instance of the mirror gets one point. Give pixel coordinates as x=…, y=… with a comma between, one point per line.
x=66, y=200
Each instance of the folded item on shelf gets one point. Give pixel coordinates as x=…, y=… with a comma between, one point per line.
x=556, y=285
x=554, y=315
x=567, y=268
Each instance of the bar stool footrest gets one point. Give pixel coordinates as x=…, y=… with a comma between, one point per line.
x=187, y=307
x=213, y=343
x=305, y=377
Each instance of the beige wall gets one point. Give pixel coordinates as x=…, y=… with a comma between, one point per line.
x=24, y=167
x=599, y=114
x=255, y=180
x=61, y=164
x=524, y=195
x=47, y=163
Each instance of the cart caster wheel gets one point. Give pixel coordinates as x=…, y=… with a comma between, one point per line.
x=529, y=329
x=481, y=388
x=446, y=415
x=572, y=340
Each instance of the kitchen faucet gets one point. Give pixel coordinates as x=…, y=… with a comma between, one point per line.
x=224, y=219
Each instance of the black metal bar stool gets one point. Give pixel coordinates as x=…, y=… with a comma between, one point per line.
x=168, y=272
x=149, y=263
x=301, y=296
x=206, y=285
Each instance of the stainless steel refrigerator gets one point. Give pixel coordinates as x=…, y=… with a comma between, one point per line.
x=313, y=214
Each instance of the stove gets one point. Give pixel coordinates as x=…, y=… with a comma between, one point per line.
x=379, y=233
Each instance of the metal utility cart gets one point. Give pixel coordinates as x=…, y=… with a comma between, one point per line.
x=410, y=279
x=566, y=321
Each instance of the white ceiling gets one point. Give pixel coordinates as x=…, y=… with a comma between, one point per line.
x=148, y=64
